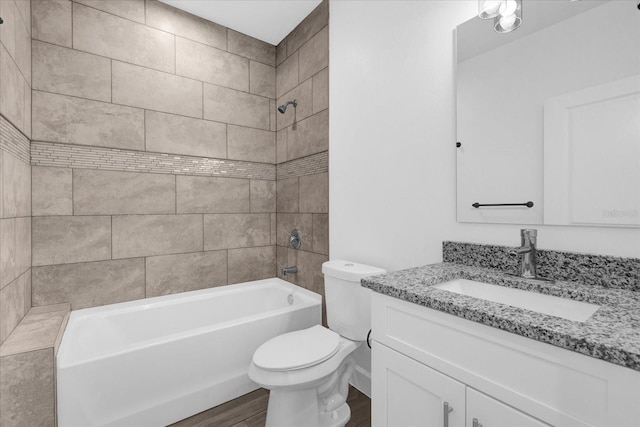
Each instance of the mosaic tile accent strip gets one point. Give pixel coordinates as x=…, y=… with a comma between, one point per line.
x=81, y=157
x=611, y=334
x=310, y=165
x=13, y=141
x=594, y=270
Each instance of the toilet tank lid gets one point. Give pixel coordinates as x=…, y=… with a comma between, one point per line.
x=350, y=271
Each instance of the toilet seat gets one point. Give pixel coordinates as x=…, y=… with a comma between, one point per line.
x=297, y=350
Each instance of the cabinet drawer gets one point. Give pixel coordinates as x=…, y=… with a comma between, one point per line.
x=488, y=412
x=558, y=386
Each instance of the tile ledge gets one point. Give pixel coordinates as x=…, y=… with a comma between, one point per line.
x=41, y=328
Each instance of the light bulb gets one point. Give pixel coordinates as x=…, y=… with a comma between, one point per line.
x=508, y=7
x=508, y=21
x=489, y=8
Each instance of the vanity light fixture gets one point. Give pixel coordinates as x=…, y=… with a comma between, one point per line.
x=506, y=14
x=509, y=16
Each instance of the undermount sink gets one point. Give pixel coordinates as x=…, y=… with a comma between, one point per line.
x=565, y=308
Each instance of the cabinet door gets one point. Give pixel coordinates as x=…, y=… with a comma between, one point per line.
x=491, y=413
x=406, y=393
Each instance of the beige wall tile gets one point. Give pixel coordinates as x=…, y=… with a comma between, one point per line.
x=251, y=264
x=168, y=133
x=12, y=91
x=281, y=146
x=69, y=239
x=321, y=91
x=27, y=290
x=314, y=55
x=71, y=72
x=130, y=9
x=263, y=196
x=11, y=307
x=168, y=274
x=303, y=222
x=27, y=110
x=272, y=115
x=16, y=37
x=27, y=389
x=89, y=284
x=16, y=194
x=262, y=79
x=310, y=137
x=287, y=75
x=282, y=260
x=202, y=62
x=114, y=37
x=303, y=93
x=251, y=48
x=59, y=118
x=155, y=90
x=1, y=185
x=51, y=21
x=146, y=235
x=224, y=231
x=184, y=24
x=311, y=25
x=97, y=192
x=287, y=195
x=314, y=193
x=197, y=194
x=7, y=251
x=321, y=234
x=24, y=7
x=52, y=191
x=23, y=244
x=310, y=270
x=274, y=229
x=281, y=52
x=250, y=144
x=239, y=108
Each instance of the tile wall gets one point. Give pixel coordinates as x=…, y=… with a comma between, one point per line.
x=15, y=170
x=153, y=156
x=302, y=149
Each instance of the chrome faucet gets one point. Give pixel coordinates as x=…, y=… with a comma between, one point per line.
x=289, y=270
x=527, y=250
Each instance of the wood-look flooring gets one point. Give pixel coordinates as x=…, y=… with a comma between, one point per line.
x=250, y=410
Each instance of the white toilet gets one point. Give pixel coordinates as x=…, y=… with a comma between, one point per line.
x=308, y=371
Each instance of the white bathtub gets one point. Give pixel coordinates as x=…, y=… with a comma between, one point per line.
x=156, y=361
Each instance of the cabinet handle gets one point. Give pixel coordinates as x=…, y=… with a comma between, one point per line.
x=446, y=410
x=476, y=423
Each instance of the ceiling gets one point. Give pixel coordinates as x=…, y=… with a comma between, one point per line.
x=266, y=20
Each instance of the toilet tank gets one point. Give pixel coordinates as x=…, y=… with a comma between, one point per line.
x=348, y=303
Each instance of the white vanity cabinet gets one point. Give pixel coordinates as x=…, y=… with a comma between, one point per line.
x=425, y=361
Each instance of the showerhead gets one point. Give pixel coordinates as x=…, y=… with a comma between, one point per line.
x=283, y=107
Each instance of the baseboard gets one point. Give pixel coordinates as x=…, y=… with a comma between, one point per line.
x=361, y=380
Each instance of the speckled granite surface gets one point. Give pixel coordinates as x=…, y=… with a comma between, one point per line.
x=599, y=270
x=612, y=333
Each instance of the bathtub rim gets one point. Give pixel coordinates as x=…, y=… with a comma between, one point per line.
x=311, y=298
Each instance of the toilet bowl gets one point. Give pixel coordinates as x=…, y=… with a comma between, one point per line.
x=308, y=371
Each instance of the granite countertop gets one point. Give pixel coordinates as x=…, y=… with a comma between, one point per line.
x=612, y=333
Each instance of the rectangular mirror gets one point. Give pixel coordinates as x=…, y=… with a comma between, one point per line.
x=550, y=114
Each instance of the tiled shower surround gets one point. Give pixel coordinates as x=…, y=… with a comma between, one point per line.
x=15, y=171
x=141, y=156
x=154, y=149
x=302, y=149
